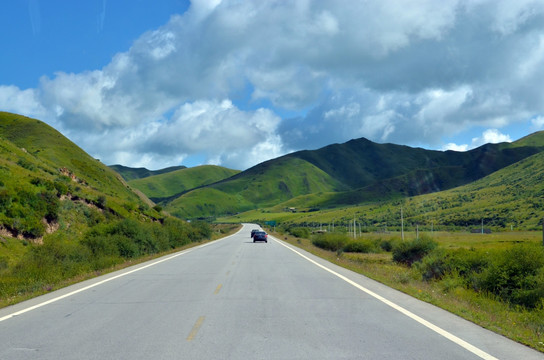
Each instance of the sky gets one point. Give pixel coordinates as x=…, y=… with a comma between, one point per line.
x=158, y=83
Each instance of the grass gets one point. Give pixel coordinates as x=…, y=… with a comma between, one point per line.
x=517, y=323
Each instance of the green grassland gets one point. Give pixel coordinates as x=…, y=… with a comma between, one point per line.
x=175, y=182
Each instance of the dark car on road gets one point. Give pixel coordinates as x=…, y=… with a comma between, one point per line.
x=260, y=236
x=254, y=231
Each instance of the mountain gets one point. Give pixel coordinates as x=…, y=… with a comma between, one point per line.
x=170, y=183
x=129, y=173
x=510, y=197
x=263, y=185
x=355, y=172
x=359, y=163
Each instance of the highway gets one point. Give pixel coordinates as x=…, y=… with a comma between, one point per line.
x=235, y=299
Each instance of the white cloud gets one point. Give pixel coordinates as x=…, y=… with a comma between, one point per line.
x=538, y=123
x=344, y=68
x=227, y=135
x=21, y=101
x=490, y=136
x=455, y=147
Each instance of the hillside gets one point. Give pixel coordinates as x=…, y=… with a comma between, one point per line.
x=512, y=197
x=52, y=155
x=168, y=184
x=129, y=173
x=65, y=215
x=360, y=163
x=355, y=172
x=263, y=185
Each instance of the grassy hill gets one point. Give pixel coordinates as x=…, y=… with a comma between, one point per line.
x=360, y=163
x=352, y=173
x=64, y=214
x=49, y=154
x=512, y=197
x=263, y=185
x=168, y=184
x=129, y=173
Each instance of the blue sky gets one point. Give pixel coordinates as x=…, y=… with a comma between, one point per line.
x=158, y=83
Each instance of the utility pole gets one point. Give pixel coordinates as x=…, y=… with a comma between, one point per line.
x=401, y=225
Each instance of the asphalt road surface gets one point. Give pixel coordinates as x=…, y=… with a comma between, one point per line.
x=233, y=299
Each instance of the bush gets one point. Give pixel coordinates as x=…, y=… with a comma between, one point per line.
x=409, y=252
x=387, y=245
x=331, y=242
x=55, y=260
x=464, y=264
x=178, y=232
x=199, y=230
x=299, y=232
x=137, y=233
x=360, y=246
x=434, y=265
x=516, y=276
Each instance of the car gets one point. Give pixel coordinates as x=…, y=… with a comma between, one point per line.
x=254, y=231
x=260, y=236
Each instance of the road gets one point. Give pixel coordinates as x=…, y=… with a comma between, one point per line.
x=233, y=299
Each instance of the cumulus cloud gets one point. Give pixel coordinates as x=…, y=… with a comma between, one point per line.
x=489, y=136
x=23, y=101
x=223, y=133
x=217, y=80
x=538, y=123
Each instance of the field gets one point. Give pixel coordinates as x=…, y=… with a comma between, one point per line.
x=451, y=291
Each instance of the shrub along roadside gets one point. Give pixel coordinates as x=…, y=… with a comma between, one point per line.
x=103, y=246
x=341, y=242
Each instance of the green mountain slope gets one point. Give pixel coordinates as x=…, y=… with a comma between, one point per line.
x=263, y=185
x=65, y=215
x=359, y=163
x=510, y=197
x=534, y=139
x=355, y=172
x=129, y=173
x=55, y=155
x=175, y=182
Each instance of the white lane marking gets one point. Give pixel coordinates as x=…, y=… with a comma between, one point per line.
x=20, y=312
x=473, y=349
